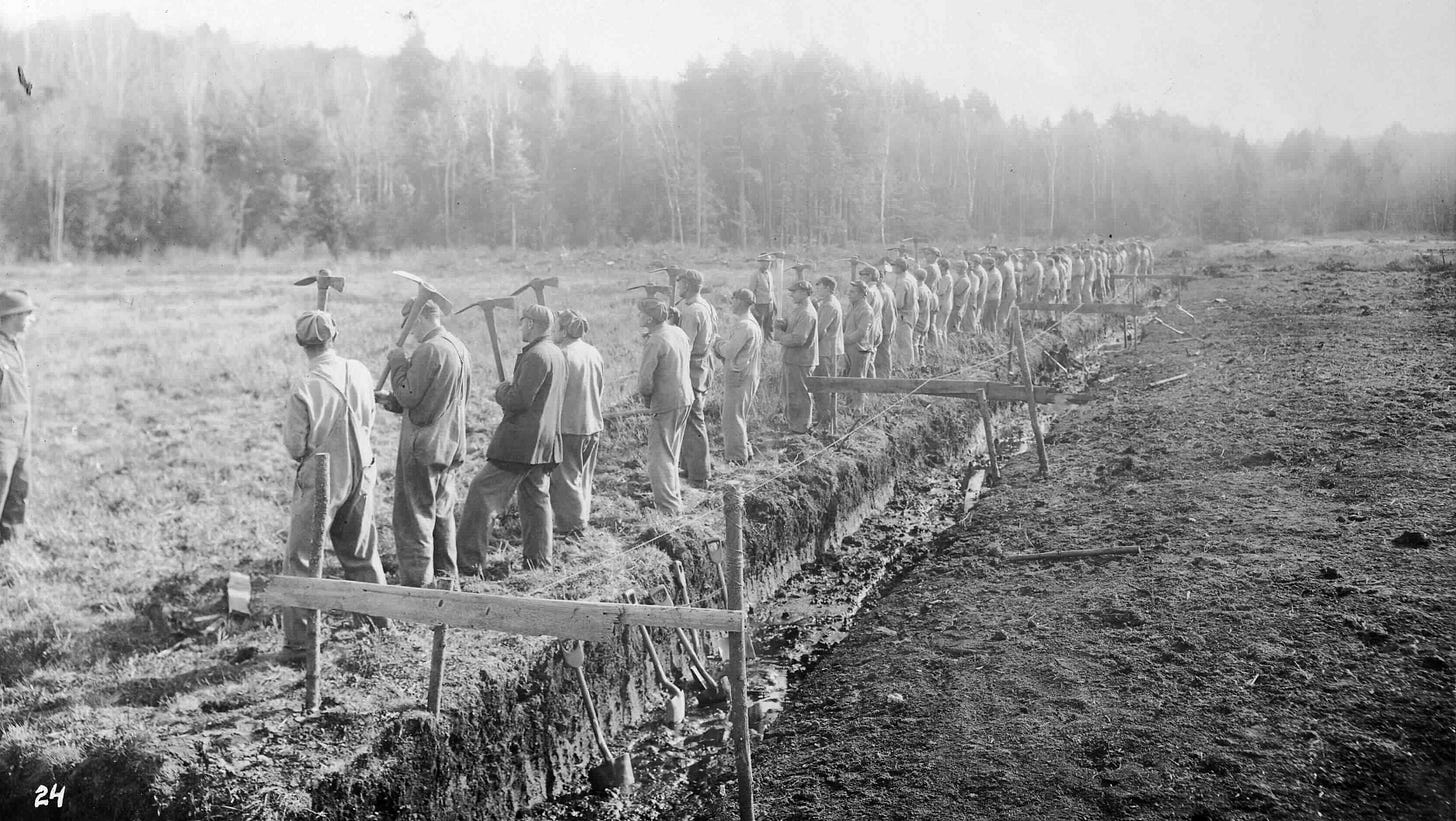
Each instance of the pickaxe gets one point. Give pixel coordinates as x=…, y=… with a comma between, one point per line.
x=425, y=293
x=489, y=306
x=652, y=290
x=539, y=285
x=673, y=272
x=914, y=243
x=325, y=279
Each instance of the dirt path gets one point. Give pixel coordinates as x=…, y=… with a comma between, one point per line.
x=1272, y=653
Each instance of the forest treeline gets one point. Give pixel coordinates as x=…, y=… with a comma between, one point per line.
x=132, y=142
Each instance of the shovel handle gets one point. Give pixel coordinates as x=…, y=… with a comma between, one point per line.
x=500, y=368
x=591, y=714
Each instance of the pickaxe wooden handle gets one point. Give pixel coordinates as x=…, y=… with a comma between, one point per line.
x=325, y=279
x=489, y=306
x=425, y=293
x=652, y=290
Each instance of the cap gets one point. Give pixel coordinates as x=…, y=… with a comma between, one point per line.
x=539, y=314
x=960, y=265
x=312, y=327
x=655, y=309
x=743, y=295
x=899, y=262
x=856, y=287
x=828, y=282
x=690, y=276
x=869, y=272
x=932, y=251
x=431, y=308
x=802, y=285
x=572, y=323
x=15, y=302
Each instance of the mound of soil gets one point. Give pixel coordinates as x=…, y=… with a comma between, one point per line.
x=1280, y=648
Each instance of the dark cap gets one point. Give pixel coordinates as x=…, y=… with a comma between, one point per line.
x=802, y=285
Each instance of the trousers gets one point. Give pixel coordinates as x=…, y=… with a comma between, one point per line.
x=857, y=364
x=823, y=401
x=571, y=482
x=694, y=453
x=739, y=390
x=798, y=404
x=14, y=488
x=424, y=520
x=664, y=442
x=490, y=495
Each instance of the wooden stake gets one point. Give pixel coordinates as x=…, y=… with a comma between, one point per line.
x=737, y=651
x=1071, y=554
x=985, y=410
x=1020, y=339
x=437, y=670
x=311, y=696
x=1169, y=379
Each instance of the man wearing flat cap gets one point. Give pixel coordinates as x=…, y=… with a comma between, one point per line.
x=798, y=333
x=524, y=449
x=17, y=313
x=697, y=320
x=665, y=385
x=761, y=285
x=430, y=387
x=907, y=313
x=829, y=325
x=581, y=424
x=740, y=351
x=331, y=411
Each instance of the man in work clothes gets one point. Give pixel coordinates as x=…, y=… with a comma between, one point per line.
x=798, y=333
x=430, y=389
x=884, y=358
x=331, y=412
x=907, y=313
x=829, y=319
x=523, y=451
x=861, y=326
x=761, y=284
x=696, y=319
x=581, y=424
x=739, y=351
x=665, y=385
x=17, y=314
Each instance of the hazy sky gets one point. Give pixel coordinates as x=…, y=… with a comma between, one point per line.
x=1351, y=67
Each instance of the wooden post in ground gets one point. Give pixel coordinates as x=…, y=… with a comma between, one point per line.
x=985, y=410
x=311, y=696
x=437, y=664
x=737, y=651
x=1020, y=339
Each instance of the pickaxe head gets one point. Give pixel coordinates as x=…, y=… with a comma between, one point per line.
x=539, y=285
x=425, y=292
x=652, y=290
x=490, y=305
x=324, y=279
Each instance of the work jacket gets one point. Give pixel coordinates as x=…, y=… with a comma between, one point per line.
x=740, y=348
x=888, y=315
x=529, y=431
x=663, y=379
x=433, y=387
x=14, y=393
x=331, y=411
x=697, y=321
x=860, y=326
x=800, y=337
x=830, y=322
x=581, y=404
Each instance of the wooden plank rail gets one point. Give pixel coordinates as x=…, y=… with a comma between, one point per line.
x=1109, y=308
x=995, y=391
x=585, y=620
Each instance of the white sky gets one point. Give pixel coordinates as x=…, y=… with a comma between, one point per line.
x=1351, y=67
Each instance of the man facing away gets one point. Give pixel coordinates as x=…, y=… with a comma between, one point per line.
x=430, y=388
x=331, y=411
x=798, y=333
x=523, y=451
x=17, y=314
x=581, y=425
x=665, y=385
x=739, y=350
x=861, y=326
x=697, y=321
x=761, y=285
x=884, y=358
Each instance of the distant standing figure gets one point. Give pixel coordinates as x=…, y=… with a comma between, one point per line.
x=884, y=358
x=664, y=382
x=829, y=320
x=907, y=313
x=697, y=320
x=861, y=325
x=761, y=284
x=581, y=425
x=331, y=411
x=17, y=314
x=798, y=333
x=740, y=351
x=524, y=450
x=430, y=388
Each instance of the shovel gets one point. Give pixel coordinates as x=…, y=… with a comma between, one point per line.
x=614, y=771
x=715, y=553
x=714, y=692
x=682, y=588
x=676, y=702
